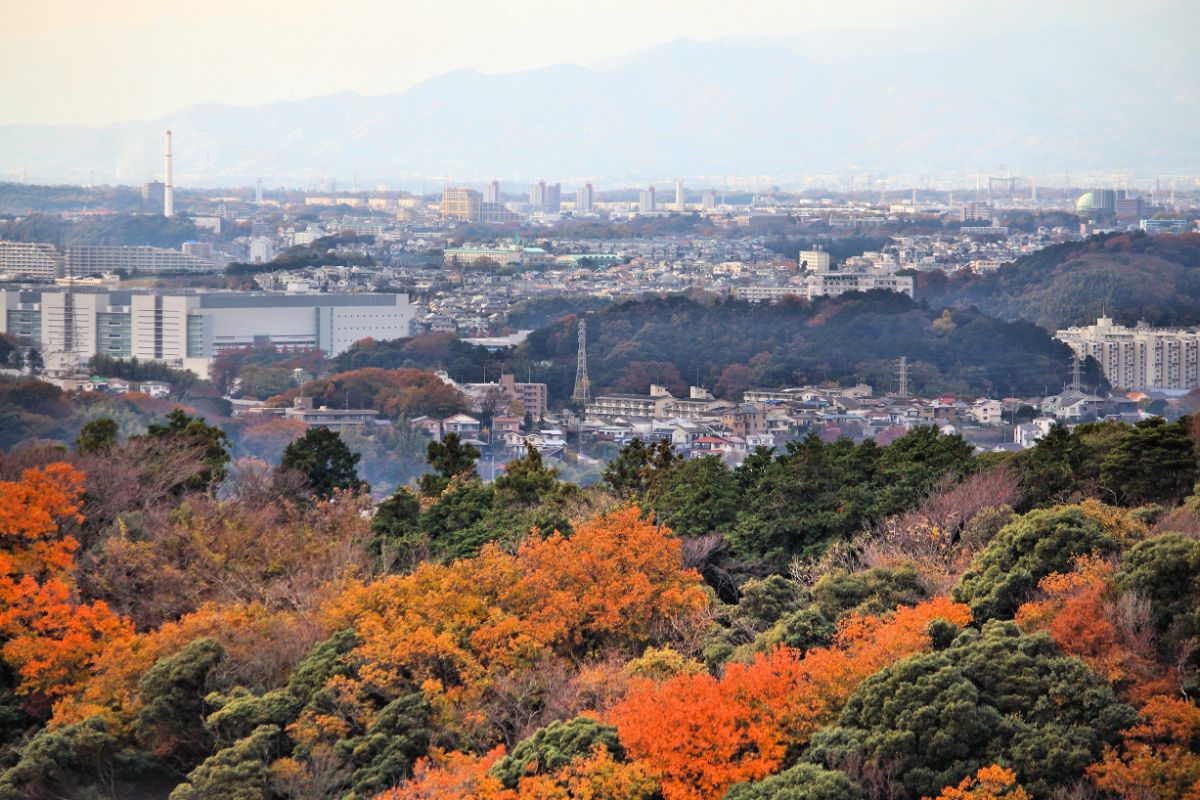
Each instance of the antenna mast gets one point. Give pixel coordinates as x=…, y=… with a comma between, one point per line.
x=583, y=386
x=903, y=364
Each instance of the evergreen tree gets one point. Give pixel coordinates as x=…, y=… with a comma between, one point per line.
x=325, y=461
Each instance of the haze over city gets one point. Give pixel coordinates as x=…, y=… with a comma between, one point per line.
x=614, y=91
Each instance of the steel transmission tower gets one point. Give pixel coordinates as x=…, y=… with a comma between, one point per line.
x=903, y=364
x=583, y=386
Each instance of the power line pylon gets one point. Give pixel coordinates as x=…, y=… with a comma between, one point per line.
x=583, y=386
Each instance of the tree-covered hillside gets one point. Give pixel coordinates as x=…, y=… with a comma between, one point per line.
x=1128, y=276
x=731, y=346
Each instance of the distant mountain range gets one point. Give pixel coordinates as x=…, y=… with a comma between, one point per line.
x=701, y=111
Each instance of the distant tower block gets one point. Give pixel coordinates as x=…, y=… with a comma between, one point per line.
x=258, y=192
x=583, y=386
x=168, y=183
x=679, y=195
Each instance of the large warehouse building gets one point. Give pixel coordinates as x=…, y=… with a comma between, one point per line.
x=188, y=328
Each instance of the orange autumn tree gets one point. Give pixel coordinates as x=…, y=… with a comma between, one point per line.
x=990, y=783
x=702, y=734
x=1159, y=757
x=488, y=637
x=1077, y=610
x=51, y=640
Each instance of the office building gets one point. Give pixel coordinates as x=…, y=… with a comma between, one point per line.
x=30, y=260
x=1140, y=358
x=1157, y=226
x=709, y=200
x=646, y=199
x=99, y=259
x=584, y=199
x=188, y=328
x=463, y=205
x=152, y=193
x=813, y=261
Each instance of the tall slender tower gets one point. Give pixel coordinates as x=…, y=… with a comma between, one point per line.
x=168, y=186
x=583, y=386
x=903, y=364
x=679, y=195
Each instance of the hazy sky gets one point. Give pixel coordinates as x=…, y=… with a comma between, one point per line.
x=98, y=61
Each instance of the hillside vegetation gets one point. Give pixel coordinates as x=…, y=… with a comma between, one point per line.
x=731, y=346
x=1130, y=277
x=832, y=622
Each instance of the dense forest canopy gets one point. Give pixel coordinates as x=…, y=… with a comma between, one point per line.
x=731, y=345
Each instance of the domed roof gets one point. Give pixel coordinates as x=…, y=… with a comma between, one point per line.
x=1086, y=202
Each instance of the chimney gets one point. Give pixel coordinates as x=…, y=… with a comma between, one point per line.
x=168, y=188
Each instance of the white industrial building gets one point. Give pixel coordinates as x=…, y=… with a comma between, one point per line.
x=188, y=328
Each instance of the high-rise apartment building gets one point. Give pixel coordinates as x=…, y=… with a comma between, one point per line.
x=679, y=204
x=98, y=259
x=537, y=195
x=584, y=199
x=491, y=192
x=1139, y=358
x=709, y=200
x=554, y=198
x=646, y=199
x=464, y=205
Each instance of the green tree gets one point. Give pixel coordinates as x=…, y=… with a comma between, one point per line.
x=992, y=696
x=237, y=772
x=171, y=718
x=1154, y=463
x=801, y=782
x=1056, y=466
x=1166, y=571
x=83, y=760
x=96, y=436
x=555, y=746
x=697, y=497
x=383, y=757
x=324, y=460
x=449, y=458
x=1024, y=551
x=396, y=526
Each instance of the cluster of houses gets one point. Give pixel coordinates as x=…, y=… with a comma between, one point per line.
x=701, y=425
x=100, y=385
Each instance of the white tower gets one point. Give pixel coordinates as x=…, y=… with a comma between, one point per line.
x=168, y=188
x=679, y=195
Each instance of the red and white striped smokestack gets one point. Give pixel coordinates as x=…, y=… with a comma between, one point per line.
x=168, y=188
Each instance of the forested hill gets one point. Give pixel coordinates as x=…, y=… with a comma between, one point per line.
x=731, y=346
x=1128, y=276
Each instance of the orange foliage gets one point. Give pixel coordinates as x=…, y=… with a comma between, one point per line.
x=1077, y=612
x=451, y=776
x=702, y=735
x=260, y=646
x=464, y=629
x=990, y=783
x=51, y=639
x=458, y=776
x=1159, y=757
